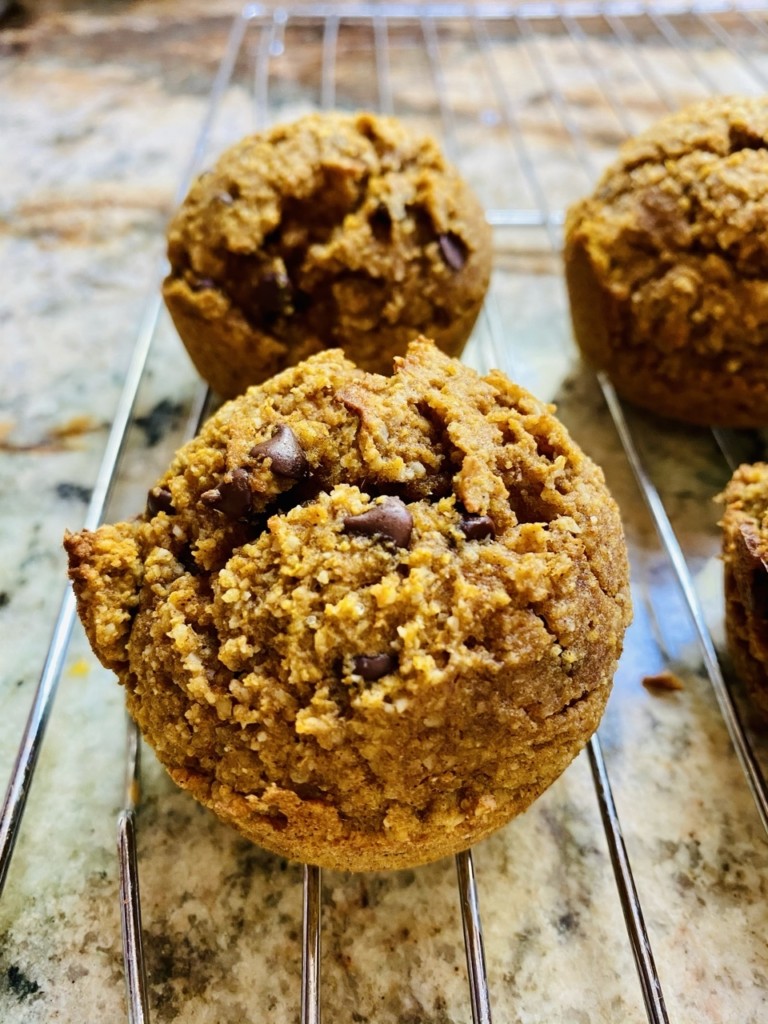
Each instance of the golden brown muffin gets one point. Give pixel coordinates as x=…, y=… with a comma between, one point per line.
x=366, y=620
x=338, y=230
x=745, y=558
x=667, y=266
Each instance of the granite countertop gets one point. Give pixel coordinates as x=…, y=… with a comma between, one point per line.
x=102, y=104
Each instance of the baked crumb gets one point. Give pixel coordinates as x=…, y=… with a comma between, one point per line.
x=663, y=681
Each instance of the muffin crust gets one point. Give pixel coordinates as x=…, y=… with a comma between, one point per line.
x=667, y=266
x=366, y=620
x=338, y=229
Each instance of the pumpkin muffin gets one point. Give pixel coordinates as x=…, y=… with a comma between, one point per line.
x=366, y=620
x=745, y=559
x=667, y=266
x=336, y=230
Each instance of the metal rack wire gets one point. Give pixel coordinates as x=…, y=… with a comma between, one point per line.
x=608, y=45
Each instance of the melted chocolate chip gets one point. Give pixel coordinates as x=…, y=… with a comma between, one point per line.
x=424, y=229
x=373, y=666
x=232, y=497
x=391, y=520
x=159, y=500
x=453, y=250
x=287, y=455
x=306, y=490
x=477, y=527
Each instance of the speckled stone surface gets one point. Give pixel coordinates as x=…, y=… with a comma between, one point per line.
x=103, y=103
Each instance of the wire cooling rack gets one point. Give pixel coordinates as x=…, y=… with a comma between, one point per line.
x=531, y=101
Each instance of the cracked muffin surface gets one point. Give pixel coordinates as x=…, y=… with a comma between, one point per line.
x=667, y=265
x=336, y=230
x=745, y=562
x=366, y=620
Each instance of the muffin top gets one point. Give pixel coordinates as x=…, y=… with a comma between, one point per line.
x=364, y=619
x=334, y=230
x=666, y=265
x=677, y=227
x=687, y=176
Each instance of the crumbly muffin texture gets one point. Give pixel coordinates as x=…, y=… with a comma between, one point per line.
x=337, y=229
x=745, y=561
x=667, y=265
x=364, y=619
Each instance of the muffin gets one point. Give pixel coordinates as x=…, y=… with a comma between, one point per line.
x=667, y=266
x=366, y=620
x=745, y=558
x=337, y=230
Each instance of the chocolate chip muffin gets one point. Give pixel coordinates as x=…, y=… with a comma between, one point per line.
x=667, y=266
x=745, y=558
x=337, y=230
x=364, y=619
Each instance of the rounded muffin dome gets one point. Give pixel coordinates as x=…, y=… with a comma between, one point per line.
x=337, y=229
x=366, y=620
x=667, y=266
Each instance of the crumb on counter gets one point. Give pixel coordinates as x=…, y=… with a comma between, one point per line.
x=663, y=681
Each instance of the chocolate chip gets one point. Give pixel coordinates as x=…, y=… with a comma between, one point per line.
x=391, y=519
x=307, y=489
x=453, y=250
x=232, y=497
x=159, y=499
x=287, y=455
x=373, y=666
x=477, y=527
x=424, y=230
